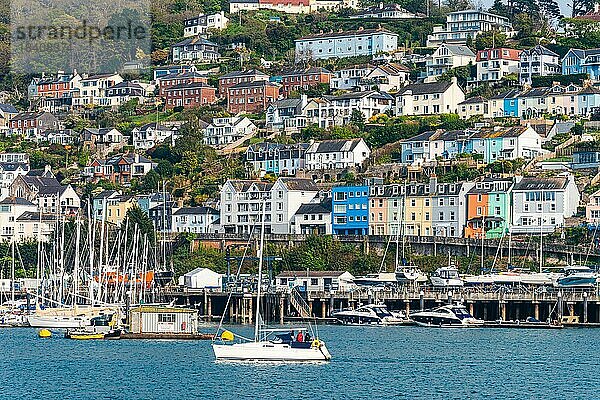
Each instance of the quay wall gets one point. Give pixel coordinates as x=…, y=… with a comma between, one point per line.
x=428, y=245
x=489, y=305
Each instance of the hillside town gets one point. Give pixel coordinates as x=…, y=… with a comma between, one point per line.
x=485, y=126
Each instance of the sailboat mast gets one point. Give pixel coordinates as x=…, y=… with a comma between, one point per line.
x=12, y=270
x=542, y=232
x=76, y=265
x=260, y=265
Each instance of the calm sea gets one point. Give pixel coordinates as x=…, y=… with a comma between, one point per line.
x=368, y=363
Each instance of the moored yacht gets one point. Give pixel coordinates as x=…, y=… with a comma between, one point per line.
x=381, y=279
x=410, y=274
x=446, y=277
x=577, y=276
x=446, y=316
x=371, y=314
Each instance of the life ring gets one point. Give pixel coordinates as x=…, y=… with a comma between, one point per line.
x=183, y=325
x=316, y=343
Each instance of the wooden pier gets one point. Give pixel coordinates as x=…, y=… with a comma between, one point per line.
x=490, y=305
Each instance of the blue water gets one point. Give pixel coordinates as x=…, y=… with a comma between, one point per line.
x=368, y=363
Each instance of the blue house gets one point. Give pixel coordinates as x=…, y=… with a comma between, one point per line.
x=350, y=211
x=578, y=61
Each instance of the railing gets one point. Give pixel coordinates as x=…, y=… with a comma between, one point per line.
x=298, y=302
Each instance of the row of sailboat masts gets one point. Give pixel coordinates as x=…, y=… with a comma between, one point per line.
x=104, y=265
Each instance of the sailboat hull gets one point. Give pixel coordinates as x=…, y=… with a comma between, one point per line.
x=57, y=322
x=268, y=351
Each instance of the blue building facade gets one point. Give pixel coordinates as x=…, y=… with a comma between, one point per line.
x=350, y=210
x=578, y=61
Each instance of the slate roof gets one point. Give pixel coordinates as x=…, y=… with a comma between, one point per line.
x=299, y=184
x=194, y=40
x=8, y=108
x=332, y=146
x=196, y=211
x=426, y=88
x=243, y=185
x=250, y=72
x=17, y=201
x=458, y=50
x=315, y=208
x=512, y=93
x=35, y=216
x=534, y=183
x=473, y=100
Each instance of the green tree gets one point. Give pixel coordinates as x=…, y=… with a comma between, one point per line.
x=165, y=169
x=489, y=40
x=137, y=217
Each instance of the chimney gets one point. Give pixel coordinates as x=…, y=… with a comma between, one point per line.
x=433, y=183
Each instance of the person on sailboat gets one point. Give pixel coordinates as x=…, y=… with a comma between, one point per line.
x=300, y=337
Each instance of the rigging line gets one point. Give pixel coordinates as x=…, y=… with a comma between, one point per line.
x=239, y=270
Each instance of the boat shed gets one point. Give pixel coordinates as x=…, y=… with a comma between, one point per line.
x=320, y=281
x=202, y=278
x=163, y=320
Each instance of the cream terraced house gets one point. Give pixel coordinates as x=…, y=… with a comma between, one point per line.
x=336, y=154
x=429, y=98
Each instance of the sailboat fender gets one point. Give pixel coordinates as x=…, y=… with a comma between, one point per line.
x=227, y=336
x=316, y=343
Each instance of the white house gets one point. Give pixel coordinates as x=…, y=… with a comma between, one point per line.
x=542, y=204
x=226, y=130
x=195, y=220
x=336, y=154
x=93, y=89
x=202, y=278
x=313, y=218
x=446, y=57
x=195, y=49
x=462, y=25
x=242, y=204
x=363, y=42
x=495, y=64
x=349, y=77
x=337, y=110
x=152, y=134
x=386, y=11
x=386, y=77
x=202, y=23
x=316, y=281
x=472, y=107
x=429, y=98
x=538, y=61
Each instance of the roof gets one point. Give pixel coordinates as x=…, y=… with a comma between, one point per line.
x=426, y=88
x=315, y=208
x=512, y=93
x=514, y=131
x=541, y=50
x=331, y=146
x=302, y=184
x=27, y=116
x=196, y=211
x=269, y=146
x=194, y=40
x=473, y=100
x=17, y=201
x=358, y=32
x=534, y=183
x=360, y=95
x=243, y=185
x=310, y=274
x=458, y=50
x=99, y=76
x=36, y=216
x=8, y=108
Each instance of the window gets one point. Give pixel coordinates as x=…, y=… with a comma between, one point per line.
x=339, y=209
x=167, y=318
x=314, y=281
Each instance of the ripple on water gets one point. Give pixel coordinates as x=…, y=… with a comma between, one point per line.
x=369, y=363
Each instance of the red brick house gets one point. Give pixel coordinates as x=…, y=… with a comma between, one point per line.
x=190, y=95
x=303, y=79
x=185, y=78
x=32, y=124
x=251, y=97
x=233, y=78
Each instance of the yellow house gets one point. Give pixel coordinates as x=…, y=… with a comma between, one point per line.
x=117, y=207
x=418, y=210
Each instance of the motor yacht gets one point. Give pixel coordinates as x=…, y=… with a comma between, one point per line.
x=406, y=274
x=381, y=279
x=371, y=314
x=446, y=277
x=446, y=316
x=577, y=276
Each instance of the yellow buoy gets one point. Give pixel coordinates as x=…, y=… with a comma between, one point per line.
x=227, y=336
x=44, y=333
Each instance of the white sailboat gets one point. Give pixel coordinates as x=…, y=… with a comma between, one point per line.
x=268, y=344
